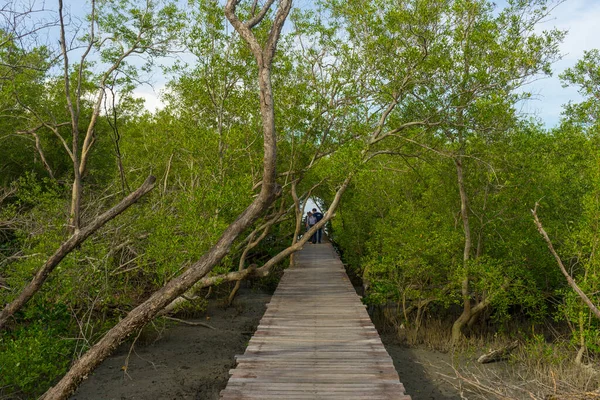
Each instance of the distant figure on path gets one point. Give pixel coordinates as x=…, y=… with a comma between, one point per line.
x=318, y=216
x=310, y=221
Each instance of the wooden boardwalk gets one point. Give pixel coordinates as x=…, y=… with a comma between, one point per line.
x=315, y=341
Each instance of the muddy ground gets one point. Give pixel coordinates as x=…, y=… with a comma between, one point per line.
x=190, y=362
x=426, y=374
x=186, y=362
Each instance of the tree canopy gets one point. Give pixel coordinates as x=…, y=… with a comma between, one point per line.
x=400, y=118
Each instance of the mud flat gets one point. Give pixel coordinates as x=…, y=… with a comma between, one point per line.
x=186, y=362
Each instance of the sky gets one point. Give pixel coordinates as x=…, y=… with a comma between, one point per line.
x=581, y=18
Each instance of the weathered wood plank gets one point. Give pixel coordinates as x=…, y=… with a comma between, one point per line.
x=315, y=341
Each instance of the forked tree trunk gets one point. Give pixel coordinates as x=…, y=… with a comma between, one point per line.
x=74, y=217
x=146, y=311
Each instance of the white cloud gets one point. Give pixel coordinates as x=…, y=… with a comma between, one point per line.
x=151, y=96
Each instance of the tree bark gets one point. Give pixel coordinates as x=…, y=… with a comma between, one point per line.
x=298, y=215
x=146, y=311
x=74, y=216
x=252, y=244
x=38, y=146
x=68, y=246
x=464, y=210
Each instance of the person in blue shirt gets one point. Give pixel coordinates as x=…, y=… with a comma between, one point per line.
x=319, y=234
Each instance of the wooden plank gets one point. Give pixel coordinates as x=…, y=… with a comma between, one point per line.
x=315, y=341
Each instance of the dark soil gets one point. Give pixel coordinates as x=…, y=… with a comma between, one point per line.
x=190, y=362
x=186, y=362
x=422, y=371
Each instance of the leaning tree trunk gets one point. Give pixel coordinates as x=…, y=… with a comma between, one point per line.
x=593, y=308
x=146, y=311
x=68, y=246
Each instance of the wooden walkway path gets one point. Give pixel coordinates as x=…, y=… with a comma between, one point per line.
x=315, y=341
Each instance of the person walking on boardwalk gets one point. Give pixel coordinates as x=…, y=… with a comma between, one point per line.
x=310, y=221
x=318, y=216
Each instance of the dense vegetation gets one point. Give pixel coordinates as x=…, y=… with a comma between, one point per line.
x=404, y=112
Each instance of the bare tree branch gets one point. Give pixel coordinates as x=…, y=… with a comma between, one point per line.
x=564, y=271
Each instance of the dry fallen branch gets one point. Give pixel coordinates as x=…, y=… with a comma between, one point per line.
x=473, y=384
x=498, y=354
x=6, y=193
x=125, y=366
x=190, y=323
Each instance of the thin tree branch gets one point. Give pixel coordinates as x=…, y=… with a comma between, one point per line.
x=68, y=246
x=570, y=280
